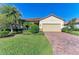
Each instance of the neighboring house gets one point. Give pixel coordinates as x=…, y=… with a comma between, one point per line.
x=51, y=23
x=76, y=23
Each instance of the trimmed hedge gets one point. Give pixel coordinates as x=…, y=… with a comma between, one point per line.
x=66, y=29
x=27, y=32
x=34, y=28
x=76, y=29
x=4, y=33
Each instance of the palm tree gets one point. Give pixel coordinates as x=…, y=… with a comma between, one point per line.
x=2, y=22
x=28, y=24
x=72, y=23
x=12, y=15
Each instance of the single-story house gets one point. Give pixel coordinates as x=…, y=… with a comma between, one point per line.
x=51, y=23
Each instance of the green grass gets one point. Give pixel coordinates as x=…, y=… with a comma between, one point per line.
x=25, y=45
x=75, y=33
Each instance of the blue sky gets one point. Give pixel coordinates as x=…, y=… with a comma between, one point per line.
x=66, y=11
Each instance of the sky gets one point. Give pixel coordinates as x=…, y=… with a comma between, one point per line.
x=66, y=11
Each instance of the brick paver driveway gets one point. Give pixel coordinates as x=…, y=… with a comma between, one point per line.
x=63, y=43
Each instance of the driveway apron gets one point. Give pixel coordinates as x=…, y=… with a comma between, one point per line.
x=63, y=43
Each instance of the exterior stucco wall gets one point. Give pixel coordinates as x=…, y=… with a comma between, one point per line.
x=51, y=20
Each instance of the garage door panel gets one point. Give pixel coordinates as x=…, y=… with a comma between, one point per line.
x=52, y=27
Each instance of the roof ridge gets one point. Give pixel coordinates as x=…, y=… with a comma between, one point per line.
x=52, y=14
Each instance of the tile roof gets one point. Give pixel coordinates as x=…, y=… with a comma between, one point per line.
x=33, y=20
x=38, y=19
x=65, y=23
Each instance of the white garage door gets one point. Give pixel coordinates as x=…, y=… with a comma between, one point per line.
x=51, y=27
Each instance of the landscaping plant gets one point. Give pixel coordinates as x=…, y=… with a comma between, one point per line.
x=34, y=28
x=66, y=29
x=11, y=15
x=27, y=32
x=4, y=33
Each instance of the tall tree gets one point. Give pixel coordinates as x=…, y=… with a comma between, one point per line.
x=3, y=22
x=72, y=23
x=12, y=15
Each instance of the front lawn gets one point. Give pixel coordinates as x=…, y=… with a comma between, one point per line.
x=20, y=44
x=75, y=32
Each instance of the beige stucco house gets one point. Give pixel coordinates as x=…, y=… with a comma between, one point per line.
x=51, y=24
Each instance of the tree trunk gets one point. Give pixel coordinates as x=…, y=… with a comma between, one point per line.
x=11, y=28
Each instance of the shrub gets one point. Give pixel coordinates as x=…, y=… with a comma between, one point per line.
x=27, y=32
x=11, y=33
x=76, y=29
x=40, y=33
x=34, y=28
x=66, y=29
x=4, y=33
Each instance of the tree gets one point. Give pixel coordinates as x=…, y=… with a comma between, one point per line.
x=3, y=22
x=34, y=28
x=72, y=23
x=12, y=15
x=28, y=24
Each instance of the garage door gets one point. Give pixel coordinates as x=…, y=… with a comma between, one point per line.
x=51, y=27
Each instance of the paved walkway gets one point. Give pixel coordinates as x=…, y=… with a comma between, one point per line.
x=63, y=43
